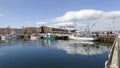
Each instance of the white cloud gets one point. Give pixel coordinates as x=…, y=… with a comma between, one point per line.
x=41, y=23
x=57, y=25
x=68, y=24
x=82, y=17
x=87, y=14
x=64, y=23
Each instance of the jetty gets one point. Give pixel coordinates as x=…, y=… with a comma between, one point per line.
x=114, y=56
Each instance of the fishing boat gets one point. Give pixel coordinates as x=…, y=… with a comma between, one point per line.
x=2, y=37
x=84, y=38
x=33, y=37
x=48, y=36
x=12, y=36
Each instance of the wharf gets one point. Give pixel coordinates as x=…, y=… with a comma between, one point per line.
x=62, y=36
x=114, y=56
x=119, y=52
x=102, y=37
x=107, y=38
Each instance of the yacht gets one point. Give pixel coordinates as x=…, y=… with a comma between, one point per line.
x=12, y=36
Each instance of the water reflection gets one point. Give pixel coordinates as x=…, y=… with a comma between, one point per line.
x=70, y=47
x=83, y=48
x=53, y=54
x=47, y=42
x=1, y=54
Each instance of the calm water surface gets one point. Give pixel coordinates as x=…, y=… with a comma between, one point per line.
x=53, y=54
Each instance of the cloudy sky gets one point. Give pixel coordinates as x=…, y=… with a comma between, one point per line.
x=18, y=13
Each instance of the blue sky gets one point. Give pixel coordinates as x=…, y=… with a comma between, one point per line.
x=18, y=13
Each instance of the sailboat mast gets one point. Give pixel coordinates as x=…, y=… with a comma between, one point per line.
x=75, y=26
x=114, y=24
x=88, y=28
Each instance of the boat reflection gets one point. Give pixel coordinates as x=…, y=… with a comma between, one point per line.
x=84, y=48
x=47, y=42
x=70, y=47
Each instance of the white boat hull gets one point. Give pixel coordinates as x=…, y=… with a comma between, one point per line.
x=82, y=38
x=2, y=38
x=33, y=37
x=12, y=37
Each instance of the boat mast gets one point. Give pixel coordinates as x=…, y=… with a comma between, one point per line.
x=88, y=28
x=75, y=26
x=113, y=24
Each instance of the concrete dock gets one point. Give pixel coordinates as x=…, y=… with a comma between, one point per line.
x=114, y=56
x=119, y=53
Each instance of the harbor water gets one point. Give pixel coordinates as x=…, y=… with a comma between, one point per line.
x=53, y=54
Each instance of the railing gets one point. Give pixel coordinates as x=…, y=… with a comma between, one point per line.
x=108, y=62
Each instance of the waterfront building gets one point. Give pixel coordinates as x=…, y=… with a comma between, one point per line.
x=31, y=30
x=28, y=30
x=46, y=29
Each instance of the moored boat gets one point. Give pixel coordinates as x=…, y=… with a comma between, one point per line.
x=33, y=37
x=84, y=38
x=2, y=37
x=12, y=36
x=48, y=36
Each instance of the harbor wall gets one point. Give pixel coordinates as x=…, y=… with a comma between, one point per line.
x=113, y=61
